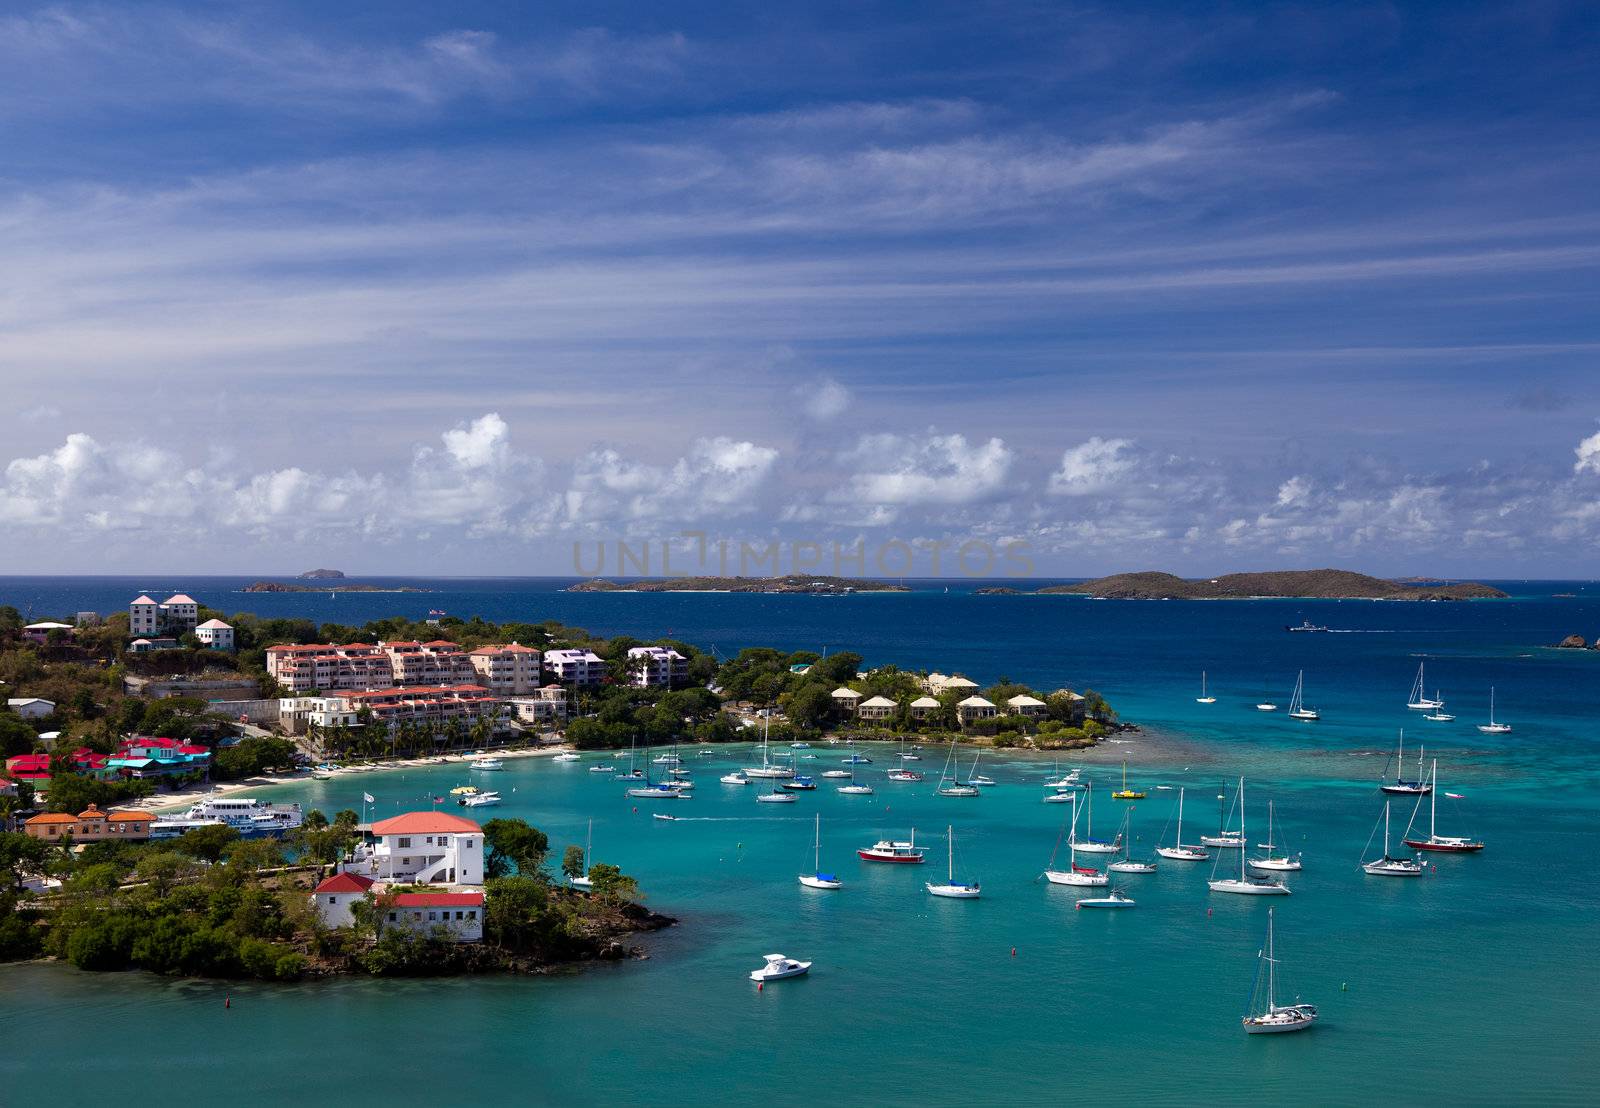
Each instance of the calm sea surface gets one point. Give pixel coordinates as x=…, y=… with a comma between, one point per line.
x=1472, y=985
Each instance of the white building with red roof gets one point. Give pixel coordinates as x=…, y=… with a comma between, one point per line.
x=300, y=667
x=424, y=848
x=509, y=670
x=457, y=917
x=440, y=662
x=335, y=896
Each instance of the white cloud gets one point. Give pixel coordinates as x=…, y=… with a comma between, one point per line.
x=1588, y=452
x=1294, y=492
x=920, y=470
x=719, y=477
x=1093, y=467
x=826, y=399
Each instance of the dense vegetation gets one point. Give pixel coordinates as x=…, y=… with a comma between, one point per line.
x=1332, y=584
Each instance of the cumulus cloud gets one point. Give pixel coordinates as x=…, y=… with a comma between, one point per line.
x=1093, y=467
x=916, y=470
x=1293, y=492
x=825, y=400
x=1588, y=452
x=718, y=476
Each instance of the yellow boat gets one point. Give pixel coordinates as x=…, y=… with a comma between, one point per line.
x=464, y=790
x=1126, y=793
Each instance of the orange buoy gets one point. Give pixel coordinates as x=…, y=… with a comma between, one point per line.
x=1013, y=952
x=227, y=1002
x=760, y=985
x=1208, y=913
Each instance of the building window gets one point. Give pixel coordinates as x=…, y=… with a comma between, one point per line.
x=392, y=917
x=333, y=900
x=405, y=843
x=472, y=913
x=432, y=916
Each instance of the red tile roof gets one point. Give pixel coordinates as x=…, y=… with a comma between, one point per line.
x=51, y=817
x=345, y=883
x=439, y=900
x=423, y=823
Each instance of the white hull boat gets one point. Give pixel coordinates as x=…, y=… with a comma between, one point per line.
x=1493, y=728
x=1075, y=874
x=1116, y=899
x=1274, y=1018
x=816, y=879
x=780, y=968
x=951, y=888
x=1244, y=884
x=1389, y=865
x=734, y=779
x=1204, y=697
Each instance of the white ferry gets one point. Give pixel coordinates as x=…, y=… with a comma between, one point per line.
x=251, y=818
x=175, y=827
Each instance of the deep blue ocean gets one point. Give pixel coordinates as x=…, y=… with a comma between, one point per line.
x=1471, y=985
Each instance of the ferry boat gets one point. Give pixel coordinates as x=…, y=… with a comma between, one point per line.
x=1305, y=625
x=251, y=818
x=887, y=850
x=178, y=827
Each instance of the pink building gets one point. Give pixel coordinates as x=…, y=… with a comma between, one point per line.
x=511, y=670
x=301, y=667
x=429, y=663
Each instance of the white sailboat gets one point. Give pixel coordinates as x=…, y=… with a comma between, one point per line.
x=1223, y=839
x=955, y=890
x=950, y=785
x=854, y=788
x=1177, y=851
x=1204, y=697
x=1074, y=874
x=1273, y=1017
x=1089, y=844
x=1126, y=864
x=1244, y=883
x=1438, y=715
x=1389, y=865
x=1493, y=728
x=1417, y=698
x=1271, y=862
x=816, y=879
x=768, y=768
x=581, y=881
x=974, y=777
x=1297, y=704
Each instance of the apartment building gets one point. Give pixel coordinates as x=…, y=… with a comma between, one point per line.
x=429, y=663
x=660, y=665
x=174, y=615
x=305, y=666
x=575, y=667
x=422, y=704
x=510, y=670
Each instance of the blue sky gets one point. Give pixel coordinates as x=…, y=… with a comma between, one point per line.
x=421, y=288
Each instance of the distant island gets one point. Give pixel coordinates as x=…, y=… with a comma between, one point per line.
x=1309, y=584
x=997, y=590
x=793, y=583
x=280, y=586
x=322, y=575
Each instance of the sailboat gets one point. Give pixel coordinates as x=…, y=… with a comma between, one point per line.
x=768, y=768
x=659, y=790
x=1493, y=728
x=633, y=773
x=956, y=890
x=1223, y=839
x=816, y=879
x=581, y=881
x=1204, y=697
x=1274, y=1017
x=1177, y=851
x=1388, y=865
x=1446, y=844
x=1074, y=874
x=976, y=778
x=1418, y=699
x=1297, y=703
x=1400, y=786
x=951, y=785
x=854, y=788
x=1244, y=883
x=1089, y=844
x=1126, y=864
x=1270, y=862
x=1126, y=793
x=1438, y=715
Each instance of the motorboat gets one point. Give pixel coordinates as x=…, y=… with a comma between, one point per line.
x=1389, y=865
x=857, y=760
x=1305, y=625
x=667, y=760
x=679, y=771
x=1116, y=898
x=1063, y=797
x=1272, y=1017
x=1245, y=884
x=604, y=767
x=837, y=773
x=799, y=746
x=567, y=756
x=779, y=968
x=1178, y=852
x=486, y=764
x=904, y=775
x=1266, y=706
x=481, y=800
x=951, y=888
x=799, y=785
x=735, y=778
x=250, y=817
x=889, y=850
x=665, y=816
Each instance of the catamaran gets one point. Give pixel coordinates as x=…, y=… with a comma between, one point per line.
x=1270, y=862
x=1418, y=699
x=816, y=879
x=955, y=890
x=1177, y=851
x=1493, y=728
x=1400, y=786
x=1074, y=874
x=1223, y=839
x=1446, y=844
x=1388, y=865
x=1244, y=883
x=1126, y=793
x=1204, y=697
x=1274, y=1017
x=1089, y=844
x=1126, y=864
x=1297, y=703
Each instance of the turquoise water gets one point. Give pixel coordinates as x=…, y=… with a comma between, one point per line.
x=1470, y=985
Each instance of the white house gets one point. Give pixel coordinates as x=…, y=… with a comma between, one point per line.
x=215, y=634
x=575, y=667
x=144, y=616
x=174, y=615
x=1024, y=705
x=937, y=683
x=426, y=848
x=459, y=914
x=335, y=895
x=845, y=701
x=877, y=708
x=547, y=705
x=31, y=707
x=180, y=612
x=923, y=706
x=661, y=666
x=975, y=708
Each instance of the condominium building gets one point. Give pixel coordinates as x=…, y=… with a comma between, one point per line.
x=975, y=708
x=429, y=663
x=174, y=615
x=877, y=708
x=658, y=665
x=511, y=670
x=422, y=704
x=306, y=666
x=575, y=667
x=215, y=634
x=546, y=705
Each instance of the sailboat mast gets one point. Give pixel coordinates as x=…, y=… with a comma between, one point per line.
x=1243, y=840
x=950, y=854
x=1433, y=800
x=1180, y=819
x=1272, y=968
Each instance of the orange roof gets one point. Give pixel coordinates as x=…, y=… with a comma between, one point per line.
x=126, y=815
x=423, y=823
x=52, y=817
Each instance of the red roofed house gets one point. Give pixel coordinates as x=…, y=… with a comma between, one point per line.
x=511, y=670
x=91, y=825
x=460, y=915
x=334, y=897
x=34, y=768
x=427, y=848
x=429, y=663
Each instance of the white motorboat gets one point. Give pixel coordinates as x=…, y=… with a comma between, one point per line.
x=735, y=778
x=567, y=756
x=1116, y=898
x=1297, y=704
x=799, y=746
x=486, y=764
x=837, y=773
x=951, y=888
x=1493, y=728
x=680, y=771
x=1266, y=706
x=1065, y=796
x=252, y=818
x=1063, y=781
x=667, y=760
x=1245, y=884
x=1178, y=852
x=1389, y=865
x=799, y=785
x=664, y=816
x=892, y=850
x=779, y=968
x=816, y=879
x=581, y=880
x=904, y=775
x=1417, y=699
x=1074, y=874
x=604, y=767
x=1273, y=1017
x=481, y=800
x=1089, y=844
x=1270, y=862
x=1204, y=697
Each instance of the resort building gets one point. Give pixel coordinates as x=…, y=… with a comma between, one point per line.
x=545, y=706
x=174, y=615
x=91, y=826
x=307, y=666
x=423, y=704
x=923, y=707
x=1024, y=705
x=878, y=708
x=31, y=707
x=845, y=701
x=424, y=848
x=575, y=667
x=511, y=670
x=458, y=916
x=939, y=683
x=429, y=663
x=215, y=634
x=658, y=665
x=975, y=708
x=146, y=758
x=1075, y=705
x=40, y=632
x=334, y=897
